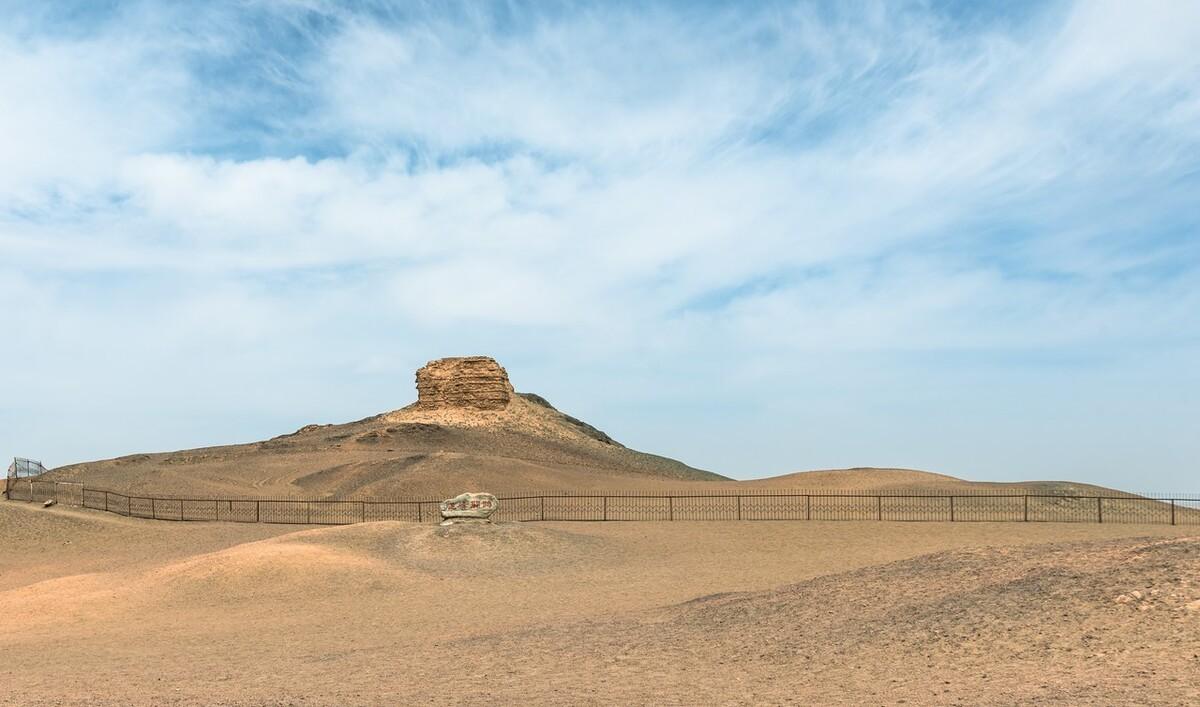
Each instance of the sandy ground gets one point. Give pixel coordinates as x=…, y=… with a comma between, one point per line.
x=99, y=609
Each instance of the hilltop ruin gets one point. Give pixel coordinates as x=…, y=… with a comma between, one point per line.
x=473, y=382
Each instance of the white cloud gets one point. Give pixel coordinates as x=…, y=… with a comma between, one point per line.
x=738, y=189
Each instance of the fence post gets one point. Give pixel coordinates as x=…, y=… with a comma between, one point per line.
x=670, y=508
x=154, y=508
x=106, y=501
x=951, y=509
x=1099, y=509
x=362, y=511
x=308, y=512
x=739, y=502
x=256, y=511
x=1172, y=511
x=1026, y=508
x=604, y=513
x=879, y=508
x=420, y=512
x=542, y=503
x=807, y=507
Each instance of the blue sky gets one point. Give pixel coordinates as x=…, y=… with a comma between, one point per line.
x=759, y=239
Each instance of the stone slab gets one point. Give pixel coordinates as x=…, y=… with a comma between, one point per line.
x=469, y=505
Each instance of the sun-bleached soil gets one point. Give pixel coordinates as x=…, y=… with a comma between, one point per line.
x=100, y=609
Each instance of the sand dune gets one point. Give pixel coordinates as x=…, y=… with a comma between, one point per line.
x=884, y=480
x=148, y=612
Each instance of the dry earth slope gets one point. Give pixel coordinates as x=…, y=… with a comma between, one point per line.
x=468, y=429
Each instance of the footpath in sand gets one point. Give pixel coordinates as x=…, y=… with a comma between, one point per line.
x=113, y=610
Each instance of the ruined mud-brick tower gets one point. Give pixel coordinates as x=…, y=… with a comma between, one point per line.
x=475, y=382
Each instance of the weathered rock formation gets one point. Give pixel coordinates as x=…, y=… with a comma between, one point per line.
x=473, y=382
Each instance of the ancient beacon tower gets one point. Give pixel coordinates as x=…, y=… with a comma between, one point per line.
x=474, y=382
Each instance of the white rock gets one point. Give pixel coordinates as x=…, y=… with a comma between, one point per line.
x=469, y=505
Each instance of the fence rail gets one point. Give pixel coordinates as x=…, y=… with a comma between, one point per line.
x=748, y=504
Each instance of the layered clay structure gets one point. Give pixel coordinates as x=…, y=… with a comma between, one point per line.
x=471, y=382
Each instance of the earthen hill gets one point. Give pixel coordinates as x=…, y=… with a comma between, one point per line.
x=468, y=429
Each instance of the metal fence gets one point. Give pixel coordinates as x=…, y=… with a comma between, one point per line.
x=748, y=504
x=22, y=468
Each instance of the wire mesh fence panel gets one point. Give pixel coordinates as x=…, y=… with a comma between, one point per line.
x=637, y=508
x=141, y=507
x=1135, y=510
x=522, y=508
x=383, y=510
x=68, y=493
x=21, y=468
x=96, y=500
x=1062, y=509
x=116, y=503
x=20, y=490
x=284, y=511
x=912, y=508
x=989, y=508
x=705, y=508
x=42, y=490
x=774, y=507
x=430, y=512
x=237, y=511
x=197, y=509
x=574, y=508
x=167, y=508
x=335, y=512
x=844, y=507
x=1186, y=511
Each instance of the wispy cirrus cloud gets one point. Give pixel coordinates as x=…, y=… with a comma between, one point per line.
x=926, y=197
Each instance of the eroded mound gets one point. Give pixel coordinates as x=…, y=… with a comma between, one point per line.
x=1071, y=623
x=508, y=548
x=467, y=429
x=378, y=556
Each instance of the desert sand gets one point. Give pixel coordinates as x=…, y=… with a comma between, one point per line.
x=101, y=609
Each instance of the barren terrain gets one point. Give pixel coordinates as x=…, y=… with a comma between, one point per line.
x=104, y=609
x=414, y=451
x=468, y=429
x=100, y=609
